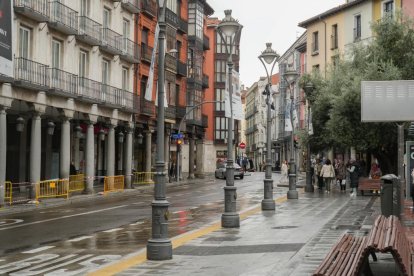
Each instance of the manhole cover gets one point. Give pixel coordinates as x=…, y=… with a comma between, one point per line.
x=284, y=227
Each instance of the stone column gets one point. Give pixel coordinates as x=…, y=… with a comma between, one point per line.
x=119, y=158
x=200, y=155
x=90, y=158
x=167, y=154
x=110, y=170
x=191, y=159
x=128, y=158
x=3, y=151
x=148, y=156
x=65, y=149
x=35, y=152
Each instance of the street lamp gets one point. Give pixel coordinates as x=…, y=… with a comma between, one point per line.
x=159, y=246
x=229, y=30
x=269, y=57
x=290, y=77
x=309, y=187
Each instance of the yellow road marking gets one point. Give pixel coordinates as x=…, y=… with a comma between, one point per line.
x=176, y=242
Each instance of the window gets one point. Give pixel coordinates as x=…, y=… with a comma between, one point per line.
x=56, y=53
x=195, y=20
x=171, y=91
x=357, y=27
x=334, y=37
x=125, y=28
x=84, y=8
x=315, y=43
x=195, y=97
x=83, y=64
x=105, y=71
x=125, y=79
x=106, y=19
x=144, y=36
x=220, y=132
x=172, y=5
x=220, y=96
x=171, y=34
x=24, y=42
x=335, y=60
x=388, y=8
x=220, y=70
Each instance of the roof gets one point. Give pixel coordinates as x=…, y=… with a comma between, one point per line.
x=340, y=8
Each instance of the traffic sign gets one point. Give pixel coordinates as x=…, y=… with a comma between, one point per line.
x=242, y=145
x=175, y=136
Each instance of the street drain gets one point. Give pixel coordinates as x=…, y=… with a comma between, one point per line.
x=346, y=227
x=284, y=227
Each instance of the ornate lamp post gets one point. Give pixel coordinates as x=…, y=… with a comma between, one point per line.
x=269, y=57
x=309, y=187
x=159, y=246
x=290, y=77
x=229, y=29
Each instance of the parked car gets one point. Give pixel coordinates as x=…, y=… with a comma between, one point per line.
x=221, y=171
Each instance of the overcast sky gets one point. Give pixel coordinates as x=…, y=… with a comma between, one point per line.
x=264, y=21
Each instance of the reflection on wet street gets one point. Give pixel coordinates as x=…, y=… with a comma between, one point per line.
x=80, y=237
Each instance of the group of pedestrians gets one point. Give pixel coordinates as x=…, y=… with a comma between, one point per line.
x=339, y=173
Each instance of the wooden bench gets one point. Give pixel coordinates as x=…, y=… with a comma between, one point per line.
x=347, y=257
x=350, y=255
x=366, y=184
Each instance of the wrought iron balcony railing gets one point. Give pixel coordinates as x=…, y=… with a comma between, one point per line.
x=146, y=52
x=171, y=18
x=171, y=63
x=181, y=68
x=147, y=108
x=63, y=18
x=89, y=31
x=62, y=82
x=111, y=42
x=31, y=74
x=130, y=51
x=182, y=25
x=131, y=5
x=37, y=10
x=149, y=7
x=89, y=90
x=170, y=112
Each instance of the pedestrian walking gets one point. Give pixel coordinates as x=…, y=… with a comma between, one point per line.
x=318, y=174
x=284, y=172
x=353, y=177
x=328, y=174
x=341, y=175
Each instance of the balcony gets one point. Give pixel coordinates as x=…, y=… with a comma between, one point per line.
x=89, y=90
x=30, y=74
x=38, y=10
x=194, y=122
x=147, y=108
x=130, y=51
x=204, y=121
x=131, y=5
x=170, y=63
x=90, y=32
x=63, y=18
x=181, y=69
x=171, y=18
x=251, y=129
x=206, y=43
x=182, y=25
x=180, y=112
x=149, y=7
x=146, y=53
x=111, y=42
x=170, y=112
x=63, y=83
x=205, y=81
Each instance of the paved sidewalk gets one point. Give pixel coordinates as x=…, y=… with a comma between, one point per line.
x=291, y=241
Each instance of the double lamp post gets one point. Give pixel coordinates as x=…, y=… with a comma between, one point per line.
x=229, y=30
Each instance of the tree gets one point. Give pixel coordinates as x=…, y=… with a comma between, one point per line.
x=337, y=99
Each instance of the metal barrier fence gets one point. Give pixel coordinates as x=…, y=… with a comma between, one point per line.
x=8, y=192
x=113, y=183
x=143, y=178
x=76, y=182
x=52, y=188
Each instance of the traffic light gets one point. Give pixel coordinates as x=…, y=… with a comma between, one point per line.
x=179, y=141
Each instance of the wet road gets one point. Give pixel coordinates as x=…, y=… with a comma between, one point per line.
x=72, y=239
